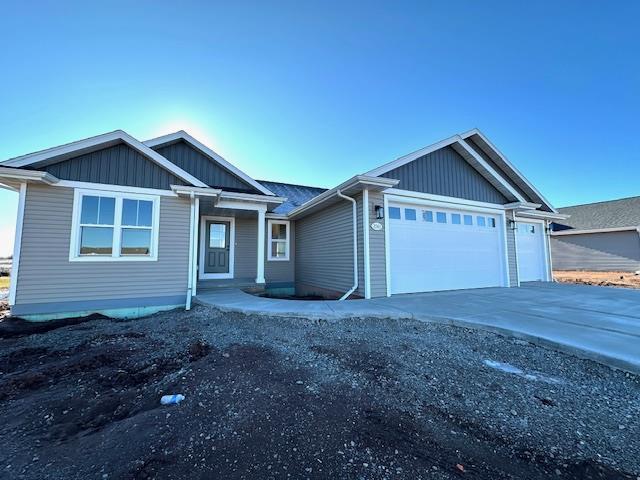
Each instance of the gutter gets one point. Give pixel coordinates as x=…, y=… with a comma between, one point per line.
x=192, y=199
x=355, y=244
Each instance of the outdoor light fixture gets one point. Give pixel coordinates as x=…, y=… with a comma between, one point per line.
x=512, y=224
x=379, y=212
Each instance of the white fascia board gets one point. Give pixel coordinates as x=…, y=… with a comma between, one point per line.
x=410, y=157
x=595, y=230
x=522, y=206
x=87, y=143
x=30, y=176
x=114, y=188
x=490, y=170
x=356, y=181
x=541, y=214
x=182, y=135
x=250, y=197
x=408, y=195
x=183, y=190
x=476, y=131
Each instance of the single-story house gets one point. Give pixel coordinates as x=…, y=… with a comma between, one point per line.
x=602, y=236
x=114, y=225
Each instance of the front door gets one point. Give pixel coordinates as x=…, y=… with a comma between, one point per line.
x=216, y=247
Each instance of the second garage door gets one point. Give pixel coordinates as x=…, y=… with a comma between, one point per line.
x=433, y=248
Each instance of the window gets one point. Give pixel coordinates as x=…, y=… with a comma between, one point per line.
x=409, y=214
x=427, y=215
x=480, y=221
x=114, y=226
x=492, y=222
x=441, y=217
x=455, y=218
x=394, y=212
x=532, y=229
x=278, y=240
x=468, y=220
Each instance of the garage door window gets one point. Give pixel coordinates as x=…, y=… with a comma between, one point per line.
x=468, y=220
x=455, y=218
x=427, y=216
x=492, y=222
x=441, y=217
x=409, y=214
x=394, y=212
x=480, y=221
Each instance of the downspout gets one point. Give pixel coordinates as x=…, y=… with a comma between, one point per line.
x=190, y=275
x=355, y=245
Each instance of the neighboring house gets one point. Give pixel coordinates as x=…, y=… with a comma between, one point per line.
x=114, y=225
x=602, y=236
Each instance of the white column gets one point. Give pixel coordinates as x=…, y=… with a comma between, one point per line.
x=261, y=246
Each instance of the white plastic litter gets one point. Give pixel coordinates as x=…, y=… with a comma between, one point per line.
x=171, y=399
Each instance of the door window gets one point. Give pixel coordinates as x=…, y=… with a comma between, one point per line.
x=217, y=235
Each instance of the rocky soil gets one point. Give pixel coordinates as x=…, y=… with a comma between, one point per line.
x=603, y=279
x=294, y=398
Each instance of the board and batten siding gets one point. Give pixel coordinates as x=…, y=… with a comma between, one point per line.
x=445, y=172
x=602, y=252
x=202, y=167
x=47, y=276
x=115, y=165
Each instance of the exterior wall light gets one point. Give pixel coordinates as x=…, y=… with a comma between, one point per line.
x=379, y=209
x=511, y=224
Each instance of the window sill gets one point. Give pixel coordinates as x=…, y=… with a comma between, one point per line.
x=278, y=259
x=112, y=259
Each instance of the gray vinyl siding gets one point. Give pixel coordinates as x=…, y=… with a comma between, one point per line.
x=324, y=249
x=246, y=254
x=512, y=260
x=202, y=167
x=445, y=172
x=359, y=207
x=115, y=165
x=377, y=258
x=46, y=274
x=612, y=251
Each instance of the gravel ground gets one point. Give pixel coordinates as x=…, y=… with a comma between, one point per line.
x=294, y=398
x=603, y=279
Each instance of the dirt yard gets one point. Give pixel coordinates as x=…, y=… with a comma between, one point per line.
x=604, y=279
x=294, y=398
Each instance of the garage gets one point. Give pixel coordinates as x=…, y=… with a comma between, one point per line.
x=434, y=247
x=532, y=252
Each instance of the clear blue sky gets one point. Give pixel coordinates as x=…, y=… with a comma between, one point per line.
x=314, y=92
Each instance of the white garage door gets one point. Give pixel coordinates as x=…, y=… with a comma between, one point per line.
x=532, y=264
x=433, y=248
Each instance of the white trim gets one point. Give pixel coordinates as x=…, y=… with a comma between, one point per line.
x=594, y=230
x=261, y=245
x=194, y=271
x=239, y=205
x=115, y=188
x=92, y=142
x=199, y=191
x=192, y=221
x=17, y=245
x=445, y=204
x=271, y=222
x=355, y=244
x=251, y=197
x=548, y=245
x=27, y=175
x=365, y=243
x=547, y=253
x=442, y=198
x=515, y=246
x=182, y=135
x=232, y=247
x=74, y=244
x=387, y=246
x=475, y=131
x=541, y=215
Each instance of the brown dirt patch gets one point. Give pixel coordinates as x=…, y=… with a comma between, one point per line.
x=603, y=279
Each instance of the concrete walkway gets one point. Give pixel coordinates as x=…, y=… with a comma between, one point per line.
x=599, y=323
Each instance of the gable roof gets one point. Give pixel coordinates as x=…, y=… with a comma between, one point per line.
x=184, y=136
x=460, y=145
x=296, y=195
x=69, y=150
x=621, y=213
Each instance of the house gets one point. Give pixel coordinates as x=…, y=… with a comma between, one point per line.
x=602, y=236
x=114, y=225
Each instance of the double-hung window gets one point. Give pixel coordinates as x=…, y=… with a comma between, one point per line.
x=114, y=226
x=278, y=245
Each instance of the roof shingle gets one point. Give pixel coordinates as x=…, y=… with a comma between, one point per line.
x=296, y=194
x=624, y=212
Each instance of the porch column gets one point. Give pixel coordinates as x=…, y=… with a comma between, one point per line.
x=261, y=245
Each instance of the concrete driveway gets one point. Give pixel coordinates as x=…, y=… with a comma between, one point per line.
x=600, y=323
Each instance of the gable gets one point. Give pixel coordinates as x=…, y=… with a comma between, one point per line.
x=202, y=167
x=117, y=164
x=445, y=172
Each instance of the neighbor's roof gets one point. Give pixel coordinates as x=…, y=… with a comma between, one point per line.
x=296, y=195
x=624, y=212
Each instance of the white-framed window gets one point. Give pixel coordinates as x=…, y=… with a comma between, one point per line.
x=278, y=240
x=114, y=226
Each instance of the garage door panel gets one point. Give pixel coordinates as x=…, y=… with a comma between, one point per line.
x=430, y=256
x=532, y=262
